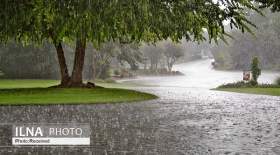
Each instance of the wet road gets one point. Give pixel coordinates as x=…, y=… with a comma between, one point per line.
x=188, y=118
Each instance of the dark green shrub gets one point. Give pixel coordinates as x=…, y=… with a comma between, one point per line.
x=277, y=81
x=105, y=72
x=253, y=83
x=116, y=72
x=256, y=71
x=238, y=84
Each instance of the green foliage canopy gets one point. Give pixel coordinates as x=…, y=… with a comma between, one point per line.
x=98, y=21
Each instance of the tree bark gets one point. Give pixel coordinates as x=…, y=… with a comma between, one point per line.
x=64, y=75
x=77, y=73
x=65, y=78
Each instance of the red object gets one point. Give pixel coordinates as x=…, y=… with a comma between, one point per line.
x=246, y=75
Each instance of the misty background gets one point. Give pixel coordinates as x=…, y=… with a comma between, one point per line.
x=120, y=60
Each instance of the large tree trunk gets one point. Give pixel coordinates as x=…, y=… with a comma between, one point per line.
x=64, y=75
x=65, y=78
x=77, y=73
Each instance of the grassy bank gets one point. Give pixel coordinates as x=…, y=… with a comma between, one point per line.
x=38, y=83
x=262, y=91
x=23, y=92
x=251, y=88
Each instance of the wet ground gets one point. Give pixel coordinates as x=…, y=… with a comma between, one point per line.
x=188, y=118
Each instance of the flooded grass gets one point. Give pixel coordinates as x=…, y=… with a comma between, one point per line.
x=24, y=92
x=262, y=91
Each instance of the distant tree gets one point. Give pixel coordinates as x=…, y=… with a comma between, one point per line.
x=110, y=51
x=152, y=54
x=18, y=61
x=256, y=71
x=264, y=44
x=101, y=59
x=172, y=53
x=130, y=54
x=277, y=81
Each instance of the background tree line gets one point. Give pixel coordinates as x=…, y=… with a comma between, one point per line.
x=113, y=58
x=264, y=44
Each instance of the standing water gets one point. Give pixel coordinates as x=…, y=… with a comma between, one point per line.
x=188, y=118
x=200, y=74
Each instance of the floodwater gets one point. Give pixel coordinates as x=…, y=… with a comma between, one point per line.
x=200, y=74
x=188, y=118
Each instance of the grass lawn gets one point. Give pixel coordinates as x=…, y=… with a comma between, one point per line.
x=38, y=83
x=263, y=91
x=23, y=92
